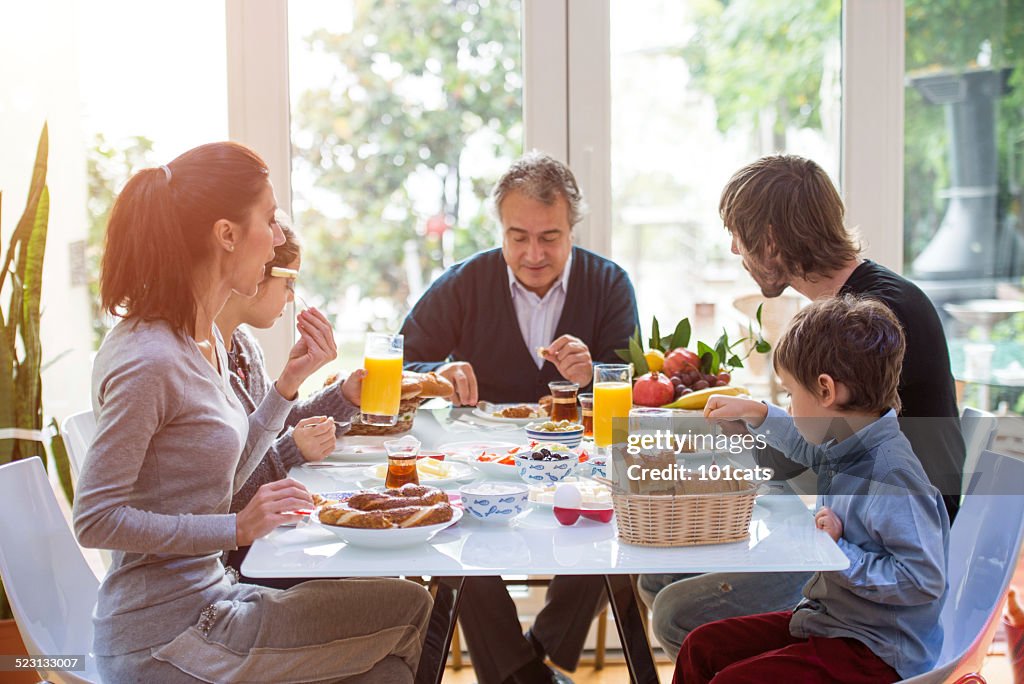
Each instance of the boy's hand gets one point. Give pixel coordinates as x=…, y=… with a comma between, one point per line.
x=352, y=388
x=722, y=408
x=826, y=520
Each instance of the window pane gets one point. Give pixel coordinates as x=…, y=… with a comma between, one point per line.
x=397, y=139
x=700, y=89
x=964, y=140
x=122, y=84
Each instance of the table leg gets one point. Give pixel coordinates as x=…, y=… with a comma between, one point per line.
x=635, y=646
x=443, y=620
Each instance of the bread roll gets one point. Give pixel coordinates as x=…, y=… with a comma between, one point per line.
x=412, y=385
x=435, y=385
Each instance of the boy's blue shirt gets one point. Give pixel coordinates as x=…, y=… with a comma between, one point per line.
x=895, y=533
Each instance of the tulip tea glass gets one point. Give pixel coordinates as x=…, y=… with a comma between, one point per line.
x=402, y=462
x=563, y=400
x=587, y=414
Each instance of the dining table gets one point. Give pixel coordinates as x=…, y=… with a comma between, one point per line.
x=782, y=538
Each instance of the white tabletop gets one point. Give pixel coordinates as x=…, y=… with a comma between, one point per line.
x=782, y=538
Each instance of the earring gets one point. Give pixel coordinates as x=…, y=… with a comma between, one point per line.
x=231, y=248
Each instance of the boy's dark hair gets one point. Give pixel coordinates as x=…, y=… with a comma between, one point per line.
x=858, y=342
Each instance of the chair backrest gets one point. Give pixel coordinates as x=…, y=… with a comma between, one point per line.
x=52, y=590
x=979, y=430
x=984, y=546
x=78, y=430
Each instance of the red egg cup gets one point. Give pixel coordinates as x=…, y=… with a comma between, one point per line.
x=569, y=516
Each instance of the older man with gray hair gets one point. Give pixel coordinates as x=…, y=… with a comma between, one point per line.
x=501, y=325
x=483, y=321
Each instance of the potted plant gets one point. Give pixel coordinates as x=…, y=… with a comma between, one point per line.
x=21, y=406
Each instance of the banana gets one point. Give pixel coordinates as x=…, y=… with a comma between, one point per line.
x=697, y=400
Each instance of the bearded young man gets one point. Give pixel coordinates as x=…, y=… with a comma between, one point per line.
x=787, y=224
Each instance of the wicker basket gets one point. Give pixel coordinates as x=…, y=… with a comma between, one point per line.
x=406, y=414
x=686, y=519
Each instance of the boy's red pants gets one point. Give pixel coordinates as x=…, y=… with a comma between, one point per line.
x=759, y=648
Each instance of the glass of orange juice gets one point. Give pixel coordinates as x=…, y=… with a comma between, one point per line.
x=382, y=386
x=613, y=399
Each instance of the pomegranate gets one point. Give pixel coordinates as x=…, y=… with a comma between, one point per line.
x=680, y=360
x=653, y=389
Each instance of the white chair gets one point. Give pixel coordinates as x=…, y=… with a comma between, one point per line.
x=979, y=430
x=78, y=430
x=984, y=545
x=51, y=589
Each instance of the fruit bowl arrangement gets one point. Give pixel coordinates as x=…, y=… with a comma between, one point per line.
x=669, y=375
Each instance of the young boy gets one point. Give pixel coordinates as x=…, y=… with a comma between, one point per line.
x=878, y=620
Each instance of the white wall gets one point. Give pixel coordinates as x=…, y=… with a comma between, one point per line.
x=37, y=49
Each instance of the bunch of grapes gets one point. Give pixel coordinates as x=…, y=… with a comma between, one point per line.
x=687, y=381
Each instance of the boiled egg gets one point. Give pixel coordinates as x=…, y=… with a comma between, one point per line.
x=568, y=496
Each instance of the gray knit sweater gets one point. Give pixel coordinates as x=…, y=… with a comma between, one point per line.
x=251, y=383
x=172, y=446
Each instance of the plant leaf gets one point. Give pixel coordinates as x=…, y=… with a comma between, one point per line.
x=735, y=362
x=35, y=191
x=722, y=345
x=709, y=360
x=681, y=336
x=60, y=459
x=758, y=314
x=624, y=355
x=762, y=346
x=655, y=341
x=639, y=362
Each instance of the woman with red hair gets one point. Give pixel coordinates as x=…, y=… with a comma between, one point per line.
x=173, y=444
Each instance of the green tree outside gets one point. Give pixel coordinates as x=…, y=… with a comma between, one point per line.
x=417, y=84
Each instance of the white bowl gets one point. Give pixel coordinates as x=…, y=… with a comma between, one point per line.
x=545, y=472
x=494, y=502
x=394, y=538
x=493, y=470
x=570, y=438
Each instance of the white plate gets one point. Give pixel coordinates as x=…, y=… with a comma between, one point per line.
x=480, y=413
x=536, y=489
x=492, y=470
x=360, y=448
x=470, y=449
x=394, y=538
x=459, y=471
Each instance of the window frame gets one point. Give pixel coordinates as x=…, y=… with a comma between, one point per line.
x=567, y=112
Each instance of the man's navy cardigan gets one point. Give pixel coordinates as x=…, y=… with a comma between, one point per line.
x=467, y=315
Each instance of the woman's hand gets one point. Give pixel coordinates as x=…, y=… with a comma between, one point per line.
x=826, y=520
x=315, y=348
x=722, y=408
x=314, y=437
x=352, y=388
x=269, y=508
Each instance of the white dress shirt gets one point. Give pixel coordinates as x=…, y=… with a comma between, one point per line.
x=538, y=316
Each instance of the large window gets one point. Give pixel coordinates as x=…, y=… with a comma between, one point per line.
x=964, y=148
x=397, y=138
x=699, y=89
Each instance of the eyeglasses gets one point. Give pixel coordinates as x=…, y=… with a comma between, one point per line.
x=290, y=274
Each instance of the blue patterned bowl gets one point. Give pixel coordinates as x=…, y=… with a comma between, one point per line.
x=494, y=501
x=545, y=472
x=571, y=438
